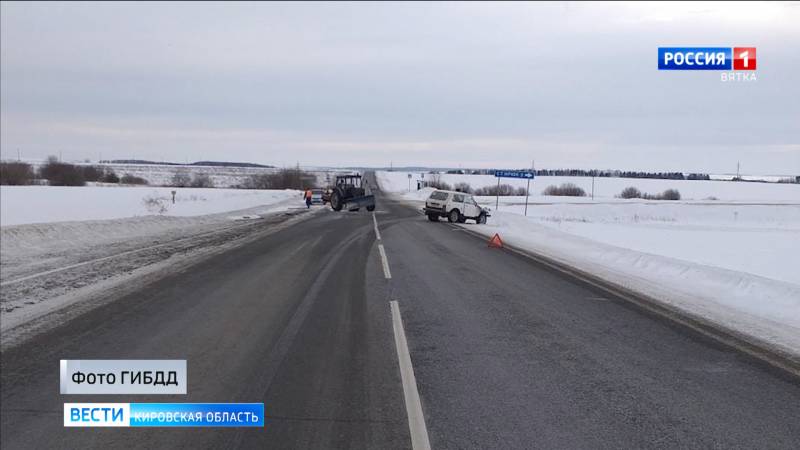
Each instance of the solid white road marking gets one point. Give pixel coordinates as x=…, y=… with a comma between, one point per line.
x=385, y=262
x=416, y=420
x=375, y=221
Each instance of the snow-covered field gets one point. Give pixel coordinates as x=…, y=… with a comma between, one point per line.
x=608, y=188
x=45, y=204
x=732, y=260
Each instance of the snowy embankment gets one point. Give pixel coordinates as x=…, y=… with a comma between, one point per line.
x=63, y=245
x=48, y=220
x=46, y=204
x=731, y=260
x=43, y=221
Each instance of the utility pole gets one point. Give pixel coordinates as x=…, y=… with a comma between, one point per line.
x=737, y=171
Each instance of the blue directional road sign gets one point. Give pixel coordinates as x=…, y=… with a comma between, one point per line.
x=514, y=174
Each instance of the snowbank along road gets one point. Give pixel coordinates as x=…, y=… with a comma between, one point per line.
x=387, y=331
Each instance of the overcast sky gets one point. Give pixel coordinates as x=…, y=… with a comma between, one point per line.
x=444, y=84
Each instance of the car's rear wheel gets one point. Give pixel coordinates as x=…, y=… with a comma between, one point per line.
x=454, y=216
x=433, y=217
x=481, y=219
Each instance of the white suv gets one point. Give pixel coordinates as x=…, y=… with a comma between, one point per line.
x=456, y=206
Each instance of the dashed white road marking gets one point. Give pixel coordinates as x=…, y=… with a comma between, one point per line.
x=416, y=420
x=385, y=262
x=375, y=221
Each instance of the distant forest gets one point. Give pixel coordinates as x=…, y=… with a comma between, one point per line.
x=198, y=163
x=597, y=173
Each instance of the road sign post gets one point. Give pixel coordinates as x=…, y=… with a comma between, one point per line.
x=497, y=195
x=527, y=192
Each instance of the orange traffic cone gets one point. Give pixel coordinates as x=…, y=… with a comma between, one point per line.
x=495, y=241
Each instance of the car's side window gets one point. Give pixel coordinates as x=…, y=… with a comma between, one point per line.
x=468, y=199
x=458, y=198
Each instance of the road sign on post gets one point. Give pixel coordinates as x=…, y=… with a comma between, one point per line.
x=514, y=174
x=524, y=174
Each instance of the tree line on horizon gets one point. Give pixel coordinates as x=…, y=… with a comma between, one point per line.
x=57, y=173
x=592, y=173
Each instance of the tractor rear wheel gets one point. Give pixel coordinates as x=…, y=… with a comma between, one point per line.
x=336, y=202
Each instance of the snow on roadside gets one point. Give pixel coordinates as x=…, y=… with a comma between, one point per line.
x=46, y=204
x=763, y=307
x=607, y=188
x=732, y=263
x=49, y=265
x=50, y=288
x=762, y=240
x=43, y=225
x=115, y=219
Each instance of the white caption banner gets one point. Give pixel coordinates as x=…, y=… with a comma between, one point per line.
x=123, y=376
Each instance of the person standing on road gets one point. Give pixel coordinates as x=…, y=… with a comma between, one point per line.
x=307, y=195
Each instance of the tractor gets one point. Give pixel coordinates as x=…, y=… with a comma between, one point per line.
x=349, y=193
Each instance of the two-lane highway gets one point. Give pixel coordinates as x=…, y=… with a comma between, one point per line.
x=505, y=353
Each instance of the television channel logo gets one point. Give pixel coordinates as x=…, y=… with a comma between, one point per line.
x=736, y=63
x=707, y=58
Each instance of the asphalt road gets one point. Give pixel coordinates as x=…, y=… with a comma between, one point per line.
x=506, y=353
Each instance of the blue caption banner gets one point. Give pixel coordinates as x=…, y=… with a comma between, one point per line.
x=163, y=414
x=695, y=58
x=197, y=415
